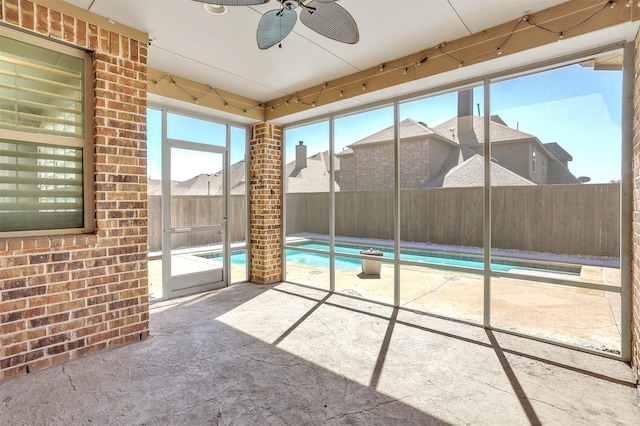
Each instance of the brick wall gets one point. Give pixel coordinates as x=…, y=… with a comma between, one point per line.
x=63, y=296
x=265, y=194
x=370, y=167
x=374, y=167
x=347, y=176
x=415, y=163
x=635, y=290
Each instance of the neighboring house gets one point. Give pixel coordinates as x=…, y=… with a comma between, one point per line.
x=154, y=186
x=368, y=164
x=309, y=174
x=203, y=184
x=450, y=154
x=211, y=183
x=305, y=174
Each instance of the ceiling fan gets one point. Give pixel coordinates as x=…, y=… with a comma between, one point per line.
x=323, y=16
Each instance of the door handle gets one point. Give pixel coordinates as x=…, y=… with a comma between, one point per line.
x=178, y=230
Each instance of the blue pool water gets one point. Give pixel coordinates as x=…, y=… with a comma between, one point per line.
x=348, y=264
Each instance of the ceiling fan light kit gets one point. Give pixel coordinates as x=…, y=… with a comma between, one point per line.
x=214, y=9
x=322, y=16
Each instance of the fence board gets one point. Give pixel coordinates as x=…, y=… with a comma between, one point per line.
x=561, y=219
x=196, y=210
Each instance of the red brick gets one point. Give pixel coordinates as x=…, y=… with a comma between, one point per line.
x=51, y=319
x=28, y=13
x=65, y=307
x=23, y=292
x=68, y=28
x=90, y=349
x=13, y=327
x=7, y=351
x=47, y=341
x=48, y=362
x=81, y=33
x=93, y=37
x=12, y=305
x=13, y=284
x=11, y=14
x=93, y=329
x=101, y=337
x=11, y=372
x=12, y=361
x=89, y=311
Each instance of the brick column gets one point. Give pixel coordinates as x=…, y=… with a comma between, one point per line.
x=63, y=296
x=265, y=195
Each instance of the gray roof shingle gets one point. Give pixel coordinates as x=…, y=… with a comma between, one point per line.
x=313, y=178
x=499, y=132
x=557, y=151
x=471, y=173
x=409, y=128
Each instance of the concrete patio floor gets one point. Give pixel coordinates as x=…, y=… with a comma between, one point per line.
x=289, y=355
x=577, y=316
x=580, y=317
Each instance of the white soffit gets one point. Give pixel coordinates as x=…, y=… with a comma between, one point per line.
x=222, y=51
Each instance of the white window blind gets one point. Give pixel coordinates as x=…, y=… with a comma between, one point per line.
x=42, y=136
x=40, y=90
x=40, y=187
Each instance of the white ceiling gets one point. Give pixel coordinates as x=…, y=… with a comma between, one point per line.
x=222, y=51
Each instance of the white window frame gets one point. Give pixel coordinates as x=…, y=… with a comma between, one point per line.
x=85, y=143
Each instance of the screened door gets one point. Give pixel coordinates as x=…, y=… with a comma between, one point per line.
x=194, y=219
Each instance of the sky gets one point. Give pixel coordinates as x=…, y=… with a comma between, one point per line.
x=575, y=106
x=187, y=164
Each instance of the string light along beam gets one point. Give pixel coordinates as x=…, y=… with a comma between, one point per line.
x=407, y=67
x=206, y=95
x=404, y=67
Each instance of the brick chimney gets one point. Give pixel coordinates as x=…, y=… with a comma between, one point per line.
x=465, y=114
x=301, y=155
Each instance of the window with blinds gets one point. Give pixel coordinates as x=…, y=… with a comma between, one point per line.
x=40, y=187
x=42, y=136
x=41, y=90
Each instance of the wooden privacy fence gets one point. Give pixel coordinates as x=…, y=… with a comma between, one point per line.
x=562, y=219
x=194, y=210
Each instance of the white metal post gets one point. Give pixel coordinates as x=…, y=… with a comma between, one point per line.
x=226, y=203
x=487, y=205
x=396, y=200
x=166, y=209
x=332, y=209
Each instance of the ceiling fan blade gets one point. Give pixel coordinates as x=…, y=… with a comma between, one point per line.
x=234, y=2
x=274, y=26
x=331, y=20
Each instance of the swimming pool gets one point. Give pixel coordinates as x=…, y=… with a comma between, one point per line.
x=437, y=258
x=347, y=263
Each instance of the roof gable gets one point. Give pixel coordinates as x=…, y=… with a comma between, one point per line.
x=499, y=132
x=471, y=173
x=409, y=128
x=557, y=151
x=316, y=177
